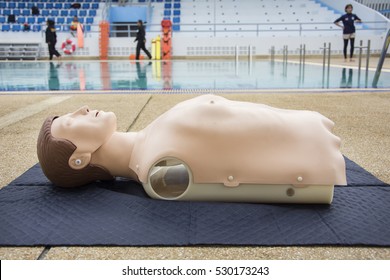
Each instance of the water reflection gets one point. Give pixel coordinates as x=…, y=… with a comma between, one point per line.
x=53, y=80
x=346, y=82
x=176, y=74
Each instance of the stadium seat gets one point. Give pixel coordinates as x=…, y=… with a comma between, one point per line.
x=73, y=13
x=3, y=5
x=81, y=20
x=92, y=13
x=58, y=6
x=54, y=13
x=64, y=13
x=60, y=20
x=16, y=28
x=88, y=28
x=16, y=12
x=83, y=13
x=89, y=20
x=45, y=13
x=167, y=6
x=36, y=28
x=176, y=6
x=49, y=6
x=176, y=12
x=11, y=5
x=2, y=20
x=21, y=5
x=67, y=6
x=86, y=6
x=40, y=20
x=31, y=20
x=65, y=28
x=5, y=27
x=6, y=12
x=167, y=13
x=95, y=6
x=26, y=12
x=21, y=20
x=40, y=6
x=176, y=27
x=69, y=20
x=176, y=20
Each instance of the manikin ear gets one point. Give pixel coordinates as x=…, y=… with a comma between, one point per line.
x=79, y=160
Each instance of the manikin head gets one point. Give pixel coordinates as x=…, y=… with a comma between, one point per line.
x=66, y=145
x=348, y=8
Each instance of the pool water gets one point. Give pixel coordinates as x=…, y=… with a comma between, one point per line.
x=179, y=74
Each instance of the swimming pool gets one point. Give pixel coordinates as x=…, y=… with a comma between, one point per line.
x=179, y=74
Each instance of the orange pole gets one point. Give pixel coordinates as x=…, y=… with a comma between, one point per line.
x=104, y=39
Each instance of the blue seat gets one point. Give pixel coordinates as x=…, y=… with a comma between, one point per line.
x=88, y=28
x=3, y=5
x=21, y=20
x=16, y=12
x=167, y=13
x=16, y=27
x=5, y=27
x=6, y=12
x=86, y=6
x=176, y=12
x=54, y=13
x=40, y=6
x=176, y=20
x=95, y=6
x=89, y=20
x=21, y=5
x=64, y=13
x=82, y=13
x=168, y=1
x=58, y=6
x=92, y=13
x=31, y=20
x=88, y=1
x=176, y=27
x=73, y=13
x=65, y=28
x=11, y=5
x=2, y=20
x=49, y=6
x=67, y=5
x=177, y=0
x=81, y=20
x=176, y=6
x=69, y=20
x=60, y=20
x=45, y=13
x=167, y=6
x=36, y=28
x=40, y=20
x=29, y=5
x=26, y=12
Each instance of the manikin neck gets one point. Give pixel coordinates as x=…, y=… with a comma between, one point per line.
x=115, y=154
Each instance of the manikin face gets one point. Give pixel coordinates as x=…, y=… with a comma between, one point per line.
x=86, y=129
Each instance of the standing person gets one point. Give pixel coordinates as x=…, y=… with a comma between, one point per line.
x=51, y=39
x=348, y=29
x=140, y=39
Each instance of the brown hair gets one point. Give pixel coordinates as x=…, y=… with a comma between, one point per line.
x=54, y=153
x=347, y=6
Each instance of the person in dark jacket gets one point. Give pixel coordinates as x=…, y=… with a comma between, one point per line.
x=140, y=39
x=348, y=29
x=51, y=39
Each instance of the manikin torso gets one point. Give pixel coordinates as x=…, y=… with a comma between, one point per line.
x=218, y=141
x=211, y=148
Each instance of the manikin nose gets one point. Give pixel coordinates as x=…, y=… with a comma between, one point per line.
x=82, y=111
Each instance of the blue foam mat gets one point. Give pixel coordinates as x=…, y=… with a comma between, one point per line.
x=33, y=212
